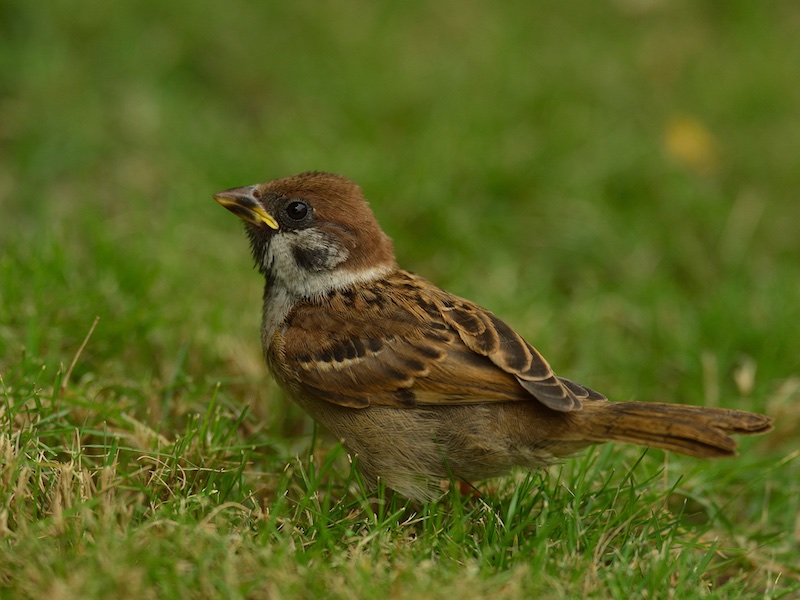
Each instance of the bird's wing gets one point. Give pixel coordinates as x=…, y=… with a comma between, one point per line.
x=487, y=336
x=403, y=342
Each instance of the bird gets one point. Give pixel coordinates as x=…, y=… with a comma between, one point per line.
x=421, y=386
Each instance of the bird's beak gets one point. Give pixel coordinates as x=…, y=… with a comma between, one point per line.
x=244, y=204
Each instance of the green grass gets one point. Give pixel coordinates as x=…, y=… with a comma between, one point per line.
x=618, y=180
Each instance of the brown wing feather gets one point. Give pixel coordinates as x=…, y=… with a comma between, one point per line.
x=485, y=334
x=442, y=350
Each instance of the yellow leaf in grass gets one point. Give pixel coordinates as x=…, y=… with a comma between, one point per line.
x=689, y=142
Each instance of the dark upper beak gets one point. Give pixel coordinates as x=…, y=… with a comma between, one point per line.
x=244, y=204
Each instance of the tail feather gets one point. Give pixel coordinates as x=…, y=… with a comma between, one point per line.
x=693, y=430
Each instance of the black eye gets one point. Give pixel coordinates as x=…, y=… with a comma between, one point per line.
x=297, y=210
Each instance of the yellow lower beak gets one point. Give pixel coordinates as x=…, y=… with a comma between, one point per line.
x=243, y=203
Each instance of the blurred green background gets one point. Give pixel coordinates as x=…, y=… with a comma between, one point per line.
x=618, y=180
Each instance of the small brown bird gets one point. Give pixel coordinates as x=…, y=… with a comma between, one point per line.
x=422, y=385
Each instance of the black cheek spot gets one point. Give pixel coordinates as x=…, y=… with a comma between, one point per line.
x=311, y=259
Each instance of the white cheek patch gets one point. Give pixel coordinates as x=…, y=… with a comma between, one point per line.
x=294, y=255
x=278, y=259
x=305, y=264
x=315, y=251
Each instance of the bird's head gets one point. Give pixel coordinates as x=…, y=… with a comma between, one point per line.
x=311, y=232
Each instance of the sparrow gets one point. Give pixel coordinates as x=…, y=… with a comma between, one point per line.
x=420, y=385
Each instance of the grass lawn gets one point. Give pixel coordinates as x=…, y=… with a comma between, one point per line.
x=618, y=180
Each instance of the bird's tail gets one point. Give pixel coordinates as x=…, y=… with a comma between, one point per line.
x=692, y=430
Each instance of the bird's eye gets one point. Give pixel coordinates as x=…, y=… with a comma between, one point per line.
x=297, y=210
